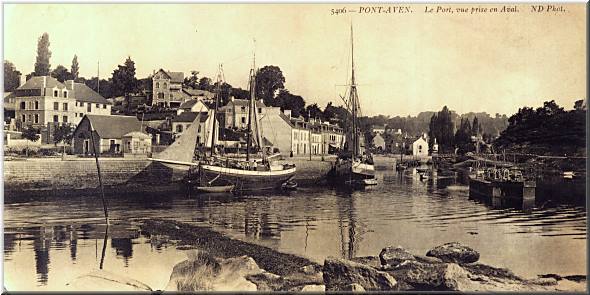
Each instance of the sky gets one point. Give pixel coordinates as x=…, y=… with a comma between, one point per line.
x=405, y=63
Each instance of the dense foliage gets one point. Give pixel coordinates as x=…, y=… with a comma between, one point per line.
x=11, y=76
x=546, y=130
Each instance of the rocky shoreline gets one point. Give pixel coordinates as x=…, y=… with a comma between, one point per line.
x=218, y=263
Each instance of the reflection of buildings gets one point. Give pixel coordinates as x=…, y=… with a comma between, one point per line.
x=123, y=247
x=41, y=249
x=259, y=222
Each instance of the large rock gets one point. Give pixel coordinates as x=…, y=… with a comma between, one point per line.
x=419, y=276
x=202, y=272
x=340, y=273
x=415, y=275
x=454, y=252
x=394, y=255
x=313, y=288
x=372, y=261
x=102, y=280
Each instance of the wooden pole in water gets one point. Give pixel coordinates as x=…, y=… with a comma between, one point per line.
x=104, y=204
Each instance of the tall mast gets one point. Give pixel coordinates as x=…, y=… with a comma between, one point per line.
x=353, y=100
x=251, y=103
x=217, y=94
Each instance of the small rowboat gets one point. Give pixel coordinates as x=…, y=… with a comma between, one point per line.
x=370, y=181
x=215, y=189
x=289, y=185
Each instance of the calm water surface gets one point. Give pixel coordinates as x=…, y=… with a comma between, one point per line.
x=47, y=243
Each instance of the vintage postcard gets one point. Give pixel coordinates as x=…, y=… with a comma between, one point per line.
x=295, y=147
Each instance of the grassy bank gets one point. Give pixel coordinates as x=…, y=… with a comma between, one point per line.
x=219, y=245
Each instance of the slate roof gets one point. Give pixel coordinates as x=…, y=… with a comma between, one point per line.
x=187, y=117
x=188, y=104
x=84, y=93
x=113, y=126
x=198, y=92
x=244, y=103
x=176, y=77
x=37, y=83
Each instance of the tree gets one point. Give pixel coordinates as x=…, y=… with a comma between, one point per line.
x=106, y=86
x=75, y=70
x=578, y=105
x=63, y=133
x=205, y=84
x=42, y=65
x=30, y=134
x=192, y=81
x=61, y=73
x=476, y=129
x=124, y=81
x=442, y=128
x=269, y=80
x=314, y=112
x=11, y=76
x=287, y=101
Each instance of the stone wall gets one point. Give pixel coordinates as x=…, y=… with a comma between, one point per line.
x=55, y=177
x=33, y=177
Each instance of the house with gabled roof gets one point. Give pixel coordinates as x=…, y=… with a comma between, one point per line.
x=235, y=112
x=167, y=89
x=107, y=133
x=181, y=123
x=43, y=99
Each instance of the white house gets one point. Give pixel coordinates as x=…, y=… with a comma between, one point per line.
x=420, y=147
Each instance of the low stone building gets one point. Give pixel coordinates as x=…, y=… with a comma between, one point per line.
x=136, y=144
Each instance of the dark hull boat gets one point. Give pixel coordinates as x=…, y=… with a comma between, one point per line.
x=245, y=180
x=353, y=167
x=503, y=192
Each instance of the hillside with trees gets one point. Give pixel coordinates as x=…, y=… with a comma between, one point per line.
x=547, y=130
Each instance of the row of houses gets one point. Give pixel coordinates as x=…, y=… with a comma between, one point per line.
x=403, y=143
x=43, y=103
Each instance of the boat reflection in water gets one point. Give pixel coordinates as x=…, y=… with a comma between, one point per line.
x=316, y=222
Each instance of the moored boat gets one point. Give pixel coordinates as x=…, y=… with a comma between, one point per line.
x=353, y=167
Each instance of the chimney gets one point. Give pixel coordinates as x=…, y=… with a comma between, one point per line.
x=22, y=79
x=287, y=113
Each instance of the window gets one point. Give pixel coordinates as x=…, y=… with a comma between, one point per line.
x=36, y=118
x=171, y=96
x=179, y=128
x=243, y=120
x=104, y=106
x=65, y=119
x=243, y=109
x=129, y=146
x=22, y=105
x=89, y=108
x=65, y=106
x=23, y=118
x=81, y=115
x=199, y=128
x=157, y=84
x=76, y=115
x=65, y=94
x=55, y=118
x=161, y=95
x=260, y=110
x=55, y=93
x=97, y=105
x=56, y=106
x=165, y=85
x=81, y=103
x=36, y=105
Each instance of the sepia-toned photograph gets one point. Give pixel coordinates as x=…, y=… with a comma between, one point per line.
x=309, y=147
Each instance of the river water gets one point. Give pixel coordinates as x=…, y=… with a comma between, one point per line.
x=49, y=242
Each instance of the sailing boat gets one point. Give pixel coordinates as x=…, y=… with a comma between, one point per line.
x=353, y=167
x=251, y=174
